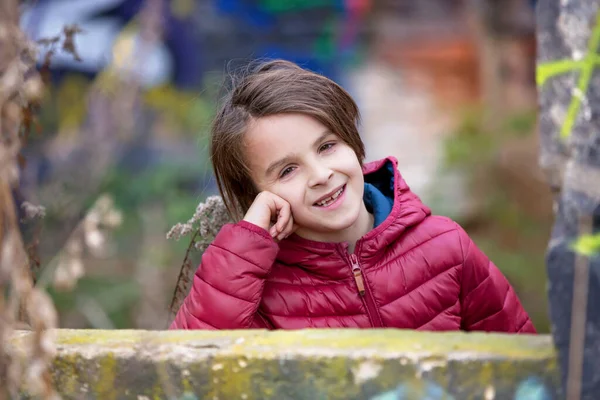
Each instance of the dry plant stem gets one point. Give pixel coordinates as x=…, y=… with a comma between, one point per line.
x=89, y=235
x=33, y=215
x=19, y=86
x=8, y=363
x=204, y=226
x=26, y=302
x=578, y=316
x=33, y=252
x=110, y=128
x=10, y=251
x=183, y=280
x=12, y=235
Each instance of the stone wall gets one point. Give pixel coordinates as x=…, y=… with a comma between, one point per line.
x=568, y=34
x=310, y=364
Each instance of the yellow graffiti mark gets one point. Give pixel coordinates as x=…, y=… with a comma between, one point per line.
x=547, y=70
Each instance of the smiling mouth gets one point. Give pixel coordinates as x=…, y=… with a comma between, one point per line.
x=331, y=199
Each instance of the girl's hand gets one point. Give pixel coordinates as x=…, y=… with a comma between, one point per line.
x=269, y=209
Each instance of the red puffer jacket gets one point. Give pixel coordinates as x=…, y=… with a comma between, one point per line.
x=413, y=271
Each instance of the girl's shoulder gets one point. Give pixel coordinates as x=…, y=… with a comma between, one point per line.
x=433, y=226
x=435, y=231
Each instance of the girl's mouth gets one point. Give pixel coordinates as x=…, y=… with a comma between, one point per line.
x=333, y=200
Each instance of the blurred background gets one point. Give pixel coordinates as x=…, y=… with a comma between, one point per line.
x=446, y=86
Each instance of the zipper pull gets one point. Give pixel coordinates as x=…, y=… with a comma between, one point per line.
x=357, y=274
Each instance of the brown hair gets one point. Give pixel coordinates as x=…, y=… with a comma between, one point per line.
x=274, y=87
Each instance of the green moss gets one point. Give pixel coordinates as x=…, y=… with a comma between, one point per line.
x=270, y=344
x=65, y=372
x=332, y=376
x=228, y=379
x=388, y=341
x=310, y=364
x=97, y=337
x=126, y=337
x=105, y=388
x=157, y=391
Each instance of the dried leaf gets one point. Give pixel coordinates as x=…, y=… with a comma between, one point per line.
x=32, y=211
x=48, y=41
x=47, y=59
x=33, y=89
x=69, y=42
x=63, y=280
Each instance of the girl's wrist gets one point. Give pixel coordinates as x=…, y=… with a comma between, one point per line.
x=254, y=228
x=255, y=223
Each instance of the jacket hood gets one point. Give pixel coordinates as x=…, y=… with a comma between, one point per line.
x=407, y=211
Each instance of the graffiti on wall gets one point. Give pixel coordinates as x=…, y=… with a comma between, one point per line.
x=585, y=65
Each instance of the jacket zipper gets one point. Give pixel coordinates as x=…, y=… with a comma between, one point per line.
x=364, y=292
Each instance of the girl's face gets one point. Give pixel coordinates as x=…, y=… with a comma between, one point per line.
x=297, y=158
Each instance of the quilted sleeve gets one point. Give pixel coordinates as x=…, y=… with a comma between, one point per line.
x=488, y=301
x=228, y=284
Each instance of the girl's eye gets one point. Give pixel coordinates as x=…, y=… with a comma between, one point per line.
x=286, y=171
x=326, y=146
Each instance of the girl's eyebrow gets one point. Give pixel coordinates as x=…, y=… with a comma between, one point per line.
x=321, y=138
x=290, y=157
x=279, y=163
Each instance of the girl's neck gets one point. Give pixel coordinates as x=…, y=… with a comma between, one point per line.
x=363, y=224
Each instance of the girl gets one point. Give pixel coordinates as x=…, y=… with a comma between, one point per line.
x=323, y=241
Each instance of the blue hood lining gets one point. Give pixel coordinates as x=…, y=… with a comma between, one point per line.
x=379, y=192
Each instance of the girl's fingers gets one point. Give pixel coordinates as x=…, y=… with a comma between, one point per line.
x=287, y=231
x=281, y=214
x=281, y=231
x=284, y=217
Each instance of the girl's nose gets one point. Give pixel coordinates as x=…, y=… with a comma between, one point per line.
x=321, y=174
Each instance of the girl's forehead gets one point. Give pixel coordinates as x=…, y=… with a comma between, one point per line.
x=280, y=138
x=284, y=130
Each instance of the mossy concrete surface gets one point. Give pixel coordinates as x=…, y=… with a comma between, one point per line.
x=308, y=364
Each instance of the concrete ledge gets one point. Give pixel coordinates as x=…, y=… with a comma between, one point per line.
x=309, y=364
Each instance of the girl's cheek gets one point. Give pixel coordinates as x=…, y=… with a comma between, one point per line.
x=289, y=194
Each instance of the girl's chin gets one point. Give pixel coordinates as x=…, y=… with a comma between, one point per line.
x=329, y=227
